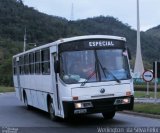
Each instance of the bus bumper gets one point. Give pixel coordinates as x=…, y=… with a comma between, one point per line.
x=99, y=106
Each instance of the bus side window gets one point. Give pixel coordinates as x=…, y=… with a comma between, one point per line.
x=26, y=64
x=45, y=61
x=31, y=63
x=37, y=62
x=21, y=65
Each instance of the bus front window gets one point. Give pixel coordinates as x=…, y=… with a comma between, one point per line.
x=93, y=66
x=76, y=66
x=113, y=64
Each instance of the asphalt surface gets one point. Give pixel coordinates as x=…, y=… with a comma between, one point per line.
x=15, y=118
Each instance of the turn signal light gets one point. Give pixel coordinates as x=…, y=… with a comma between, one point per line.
x=75, y=97
x=128, y=93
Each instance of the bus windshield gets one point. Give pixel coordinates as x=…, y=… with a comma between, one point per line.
x=94, y=66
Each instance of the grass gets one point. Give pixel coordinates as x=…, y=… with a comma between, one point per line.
x=6, y=89
x=143, y=94
x=147, y=108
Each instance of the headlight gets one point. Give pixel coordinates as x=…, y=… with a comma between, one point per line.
x=83, y=105
x=122, y=101
x=78, y=105
x=126, y=100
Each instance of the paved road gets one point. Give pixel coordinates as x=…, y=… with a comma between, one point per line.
x=15, y=118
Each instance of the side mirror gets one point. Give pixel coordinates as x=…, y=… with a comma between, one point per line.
x=129, y=53
x=56, y=66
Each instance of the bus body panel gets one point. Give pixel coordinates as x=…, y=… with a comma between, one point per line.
x=93, y=89
x=95, y=92
x=37, y=82
x=41, y=96
x=29, y=96
x=17, y=90
x=36, y=99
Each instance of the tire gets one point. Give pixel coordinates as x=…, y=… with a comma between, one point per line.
x=26, y=102
x=108, y=115
x=51, y=112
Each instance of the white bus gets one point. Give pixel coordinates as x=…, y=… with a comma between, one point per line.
x=78, y=75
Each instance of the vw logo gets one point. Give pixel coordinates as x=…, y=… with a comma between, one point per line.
x=102, y=90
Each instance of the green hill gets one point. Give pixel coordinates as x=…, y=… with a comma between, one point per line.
x=42, y=28
x=155, y=31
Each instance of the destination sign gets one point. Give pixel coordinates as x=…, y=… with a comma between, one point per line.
x=100, y=43
x=90, y=44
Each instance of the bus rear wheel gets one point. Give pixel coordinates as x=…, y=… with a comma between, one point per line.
x=51, y=111
x=108, y=115
x=26, y=102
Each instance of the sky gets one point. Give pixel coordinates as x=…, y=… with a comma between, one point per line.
x=123, y=10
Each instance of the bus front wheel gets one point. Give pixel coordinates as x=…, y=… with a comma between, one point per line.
x=108, y=115
x=51, y=111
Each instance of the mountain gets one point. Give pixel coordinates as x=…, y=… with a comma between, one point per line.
x=155, y=31
x=15, y=17
x=41, y=28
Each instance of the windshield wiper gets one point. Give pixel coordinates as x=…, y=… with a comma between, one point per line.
x=88, y=78
x=105, y=69
x=93, y=73
x=97, y=70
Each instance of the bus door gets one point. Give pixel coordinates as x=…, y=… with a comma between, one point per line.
x=18, y=79
x=56, y=98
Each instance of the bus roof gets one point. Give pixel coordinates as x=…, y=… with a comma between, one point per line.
x=92, y=37
x=70, y=39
